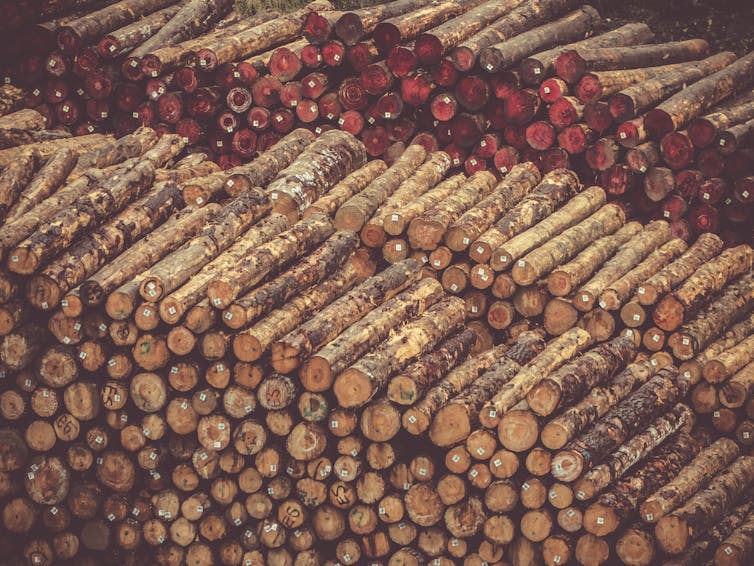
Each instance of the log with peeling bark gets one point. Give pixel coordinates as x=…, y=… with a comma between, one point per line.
x=351, y=27
x=47, y=149
x=15, y=177
x=702, y=130
x=347, y=188
x=728, y=362
x=699, y=287
x=10, y=98
x=657, y=395
x=677, y=530
x=739, y=388
x=738, y=547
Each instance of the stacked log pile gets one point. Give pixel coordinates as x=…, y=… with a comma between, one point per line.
x=491, y=83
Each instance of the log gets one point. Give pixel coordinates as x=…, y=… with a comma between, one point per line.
x=563, y=279
x=353, y=184
x=10, y=98
x=677, y=111
x=523, y=18
x=250, y=344
x=126, y=38
x=727, y=363
x=424, y=178
x=707, y=464
x=616, y=506
x=234, y=280
x=624, y=419
x=570, y=383
x=706, y=247
x=320, y=370
x=418, y=418
x=696, y=291
x=675, y=531
x=15, y=177
x=619, y=291
x=702, y=130
x=508, y=193
x=427, y=230
x=114, y=152
x=572, y=65
x=631, y=453
x=290, y=351
x=570, y=27
x=47, y=149
x=541, y=261
x=738, y=546
x=354, y=214
x=356, y=385
x=735, y=392
x=628, y=255
x=575, y=210
x=351, y=27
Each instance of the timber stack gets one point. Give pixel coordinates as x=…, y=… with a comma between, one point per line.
x=491, y=83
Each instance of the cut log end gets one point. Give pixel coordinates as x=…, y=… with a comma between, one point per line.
x=450, y=425
x=316, y=375
x=672, y=534
x=23, y=261
x=567, y=465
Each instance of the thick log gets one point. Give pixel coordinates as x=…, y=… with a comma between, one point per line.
x=47, y=149
x=410, y=384
x=10, y=98
x=702, y=130
x=568, y=384
x=356, y=385
x=567, y=277
x=176, y=268
x=698, y=288
x=124, y=39
x=559, y=249
x=707, y=464
x=351, y=27
x=424, y=178
x=234, y=280
x=570, y=27
x=290, y=351
x=20, y=347
x=618, y=504
x=675, y=531
x=115, y=152
x=706, y=247
x=15, y=178
x=523, y=18
x=431, y=45
x=308, y=272
x=575, y=210
x=454, y=421
x=657, y=395
x=738, y=547
x=677, y=111
x=177, y=303
x=620, y=290
x=728, y=362
x=739, y=388
x=357, y=181
x=427, y=230
x=631, y=453
x=249, y=345
x=571, y=66
x=172, y=234
x=354, y=214
x=635, y=100
x=628, y=255
x=418, y=418
x=320, y=370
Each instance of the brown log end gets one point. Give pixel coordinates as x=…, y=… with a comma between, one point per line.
x=567, y=465
x=316, y=375
x=450, y=425
x=247, y=348
x=352, y=388
x=672, y=534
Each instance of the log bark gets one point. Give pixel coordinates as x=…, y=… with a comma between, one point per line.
x=739, y=388
x=557, y=353
x=410, y=384
x=249, y=345
x=427, y=230
x=236, y=279
x=628, y=255
x=570, y=383
x=115, y=152
x=675, y=531
x=126, y=38
x=703, y=130
x=320, y=370
x=44, y=183
x=727, y=363
x=15, y=178
x=619, y=291
x=706, y=247
x=523, y=18
x=678, y=110
x=311, y=270
x=418, y=418
x=423, y=179
x=352, y=185
x=617, y=505
x=176, y=304
x=10, y=98
x=176, y=268
x=541, y=261
x=572, y=65
x=351, y=27
x=707, y=464
x=619, y=423
x=562, y=281
x=356, y=385
x=738, y=547
x=290, y=351
x=575, y=210
x=699, y=287
x=47, y=149
x=631, y=453
x=355, y=213
x=508, y=193
x=570, y=27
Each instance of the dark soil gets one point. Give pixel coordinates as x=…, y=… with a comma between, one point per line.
x=725, y=24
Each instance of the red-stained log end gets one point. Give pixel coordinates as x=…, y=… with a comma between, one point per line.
x=474, y=164
x=658, y=123
x=743, y=189
x=467, y=129
x=570, y=66
x=401, y=61
x=186, y=79
x=603, y=154
x=247, y=73
x=283, y=120
x=416, y=89
x=616, y=180
x=588, y=89
x=390, y=106
x=170, y=108
x=307, y=111
x=463, y=58
x=701, y=132
x=400, y=130
x=688, y=183
x=551, y=89
x=244, y=142
x=522, y=106
x=712, y=164
x=151, y=66
x=359, y=56
x=376, y=78
x=504, y=84
x=258, y=118
x=674, y=207
x=427, y=141
x=206, y=60
x=375, y=140
x=284, y=64
x=334, y=53
x=444, y=107
x=704, y=218
x=428, y=49
x=311, y=56
x=266, y=91
x=488, y=146
x=472, y=92
x=621, y=107
x=515, y=136
x=540, y=135
x=712, y=191
x=227, y=122
x=565, y=111
x=629, y=133
x=386, y=36
x=352, y=122
x=329, y=107
x=677, y=150
x=317, y=29
x=349, y=28
x=505, y=158
x=445, y=74
x=290, y=94
x=238, y=99
x=554, y=158
x=574, y=139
